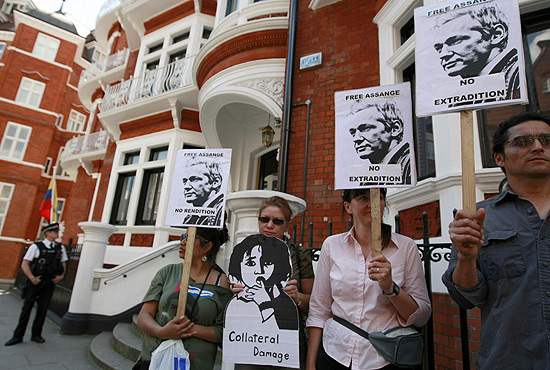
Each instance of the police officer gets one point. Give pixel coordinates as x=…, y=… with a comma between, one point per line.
x=44, y=266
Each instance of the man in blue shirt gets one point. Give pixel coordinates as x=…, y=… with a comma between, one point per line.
x=500, y=260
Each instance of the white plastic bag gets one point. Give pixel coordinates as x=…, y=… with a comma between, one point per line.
x=170, y=355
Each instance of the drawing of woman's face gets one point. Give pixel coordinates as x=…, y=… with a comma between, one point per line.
x=253, y=269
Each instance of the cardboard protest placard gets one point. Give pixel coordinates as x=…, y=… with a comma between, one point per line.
x=261, y=322
x=374, y=138
x=469, y=55
x=199, y=184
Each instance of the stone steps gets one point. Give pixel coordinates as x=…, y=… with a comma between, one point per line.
x=118, y=349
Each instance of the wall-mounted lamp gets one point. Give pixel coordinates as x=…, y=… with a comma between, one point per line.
x=267, y=134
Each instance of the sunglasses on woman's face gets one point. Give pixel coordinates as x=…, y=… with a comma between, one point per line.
x=183, y=238
x=276, y=221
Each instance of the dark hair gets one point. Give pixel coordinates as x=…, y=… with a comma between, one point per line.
x=217, y=237
x=500, y=136
x=349, y=194
x=278, y=202
x=271, y=252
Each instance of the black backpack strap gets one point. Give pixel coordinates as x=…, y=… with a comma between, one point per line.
x=351, y=327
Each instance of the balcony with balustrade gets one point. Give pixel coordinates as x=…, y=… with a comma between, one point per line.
x=165, y=88
x=82, y=151
x=101, y=73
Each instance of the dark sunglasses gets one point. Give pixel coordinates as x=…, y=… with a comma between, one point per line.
x=184, y=238
x=276, y=221
x=527, y=140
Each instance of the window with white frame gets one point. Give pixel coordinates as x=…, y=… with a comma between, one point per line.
x=396, y=34
x=76, y=122
x=15, y=140
x=59, y=172
x=6, y=192
x=47, y=166
x=46, y=47
x=147, y=169
x=30, y=92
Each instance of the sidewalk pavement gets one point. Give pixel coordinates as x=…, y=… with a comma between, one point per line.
x=59, y=352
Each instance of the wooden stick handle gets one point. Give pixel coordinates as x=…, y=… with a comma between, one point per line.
x=184, y=285
x=376, y=222
x=468, y=162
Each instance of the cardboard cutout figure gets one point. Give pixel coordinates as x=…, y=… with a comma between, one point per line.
x=469, y=54
x=261, y=322
x=374, y=138
x=199, y=184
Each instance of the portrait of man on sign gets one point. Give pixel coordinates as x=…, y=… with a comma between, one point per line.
x=199, y=183
x=202, y=181
x=468, y=55
x=474, y=42
x=377, y=132
x=374, y=137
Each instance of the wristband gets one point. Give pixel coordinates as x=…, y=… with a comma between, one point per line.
x=34, y=279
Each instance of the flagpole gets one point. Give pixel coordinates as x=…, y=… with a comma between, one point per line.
x=53, y=210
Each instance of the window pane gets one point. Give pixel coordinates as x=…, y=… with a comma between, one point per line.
x=19, y=148
x=158, y=154
x=423, y=134
x=24, y=133
x=131, y=158
x=121, y=203
x=149, y=197
x=6, y=147
x=3, y=206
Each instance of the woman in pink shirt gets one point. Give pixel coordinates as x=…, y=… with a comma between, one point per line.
x=373, y=293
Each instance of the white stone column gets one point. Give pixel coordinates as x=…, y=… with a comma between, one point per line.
x=95, y=241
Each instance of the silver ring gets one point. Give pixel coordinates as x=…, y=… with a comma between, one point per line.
x=378, y=269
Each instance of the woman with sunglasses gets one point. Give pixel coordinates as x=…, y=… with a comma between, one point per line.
x=274, y=220
x=373, y=293
x=201, y=327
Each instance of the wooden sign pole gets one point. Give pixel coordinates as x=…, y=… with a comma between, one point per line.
x=468, y=162
x=184, y=285
x=376, y=222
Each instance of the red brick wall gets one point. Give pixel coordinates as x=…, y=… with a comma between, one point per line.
x=412, y=224
x=348, y=40
x=447, y=344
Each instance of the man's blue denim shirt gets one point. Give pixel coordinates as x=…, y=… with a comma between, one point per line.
x=514, y=286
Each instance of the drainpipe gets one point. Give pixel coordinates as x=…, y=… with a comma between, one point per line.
x=285, y=137
x=308, y=103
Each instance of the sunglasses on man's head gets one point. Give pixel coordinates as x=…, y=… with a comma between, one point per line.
x=183, y=238
x=527, y=140
x=276, y=221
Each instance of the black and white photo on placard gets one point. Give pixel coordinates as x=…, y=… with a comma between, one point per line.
x=374, y=137
x=261, y=321
x=199, y=184
x=468, y=55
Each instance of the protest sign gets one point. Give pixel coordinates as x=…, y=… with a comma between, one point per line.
x=261, y=321
x=469, y=55
x=199, y=184
x=374, y=138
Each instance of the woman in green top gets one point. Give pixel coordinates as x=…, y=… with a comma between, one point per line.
x=201, y=327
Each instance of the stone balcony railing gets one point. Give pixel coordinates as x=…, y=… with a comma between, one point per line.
x=83, y=144
x=173, y=76
x=108, y=6
x=120, y=58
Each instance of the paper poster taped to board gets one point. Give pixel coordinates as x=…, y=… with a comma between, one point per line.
x=374, y=138
x=261, y=322
x=199, y=184
x=469, y=54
